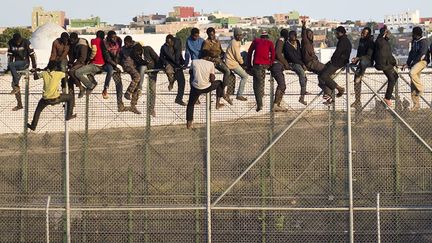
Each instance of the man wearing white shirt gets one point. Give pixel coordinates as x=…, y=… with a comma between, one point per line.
x=204, y=81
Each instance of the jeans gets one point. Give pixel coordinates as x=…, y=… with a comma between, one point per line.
x=298, y=69
x=195, y=94
x=259, y=74
x=133, y=86
x=361, y=69
x=392, y=78
x=277, y=71
x=82, y=73
x=109, y=69
x=326, y=82
x=151, y=86
x=223, y=68
x=44, y=103
x=119, y=88
x=315, y=66
x=181, y=81
x=14, y=67
x=243, y=79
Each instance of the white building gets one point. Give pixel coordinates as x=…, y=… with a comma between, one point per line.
x=408, y=17
x=197, y=19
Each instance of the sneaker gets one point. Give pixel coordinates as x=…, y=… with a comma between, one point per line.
x=135, y=110
x=241, y=98
x=228, y=99
x=105, y=94
x=341, y=91
x=71, y=117
x=29, y=126
x=388, y=102
x=327, y=100
x=127, y=96
x=15, y=90
x=219, y=105
x=302, y=101
x=81, y=92
x=17, y=108
x=180, y=102
x=278, y=108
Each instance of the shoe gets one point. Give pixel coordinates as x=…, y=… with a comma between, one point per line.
x=278, y=108
x=219, y=105
x=135, y=110
x=180, y=102
x=259, y=108
x=170, y=86
x=81, y=92
x=15, y=90
x=17, y=108
x=356, y=104
x=105, y=94
x=341, y=91
x=388, y=102
x=327, y=100
x=198, y=102
x=71, y=117
x=122, y=108
x=302, y=101
x=307, y=93
x=228, y=99
x=153, y=113
x=29, y=126
x=189, y=124
x=241, y=98
x=139, y=92
x=127, y=96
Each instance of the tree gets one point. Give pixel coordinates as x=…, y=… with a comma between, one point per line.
x=211, y=18
x=331, y=39
x=401, y=30
x=271, y=19
x=9, y=32
x=183, y=34
x=172, y=19
x=372, y=25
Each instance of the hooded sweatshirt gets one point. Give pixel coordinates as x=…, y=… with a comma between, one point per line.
x=419, y=51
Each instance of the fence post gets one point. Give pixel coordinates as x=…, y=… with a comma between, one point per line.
x=85, y=145
x=67, y=174
x=396, y=134
x=129, y=200
x=208, y=166
x=47, y=219
x=24, y=142
x=349, y=153
x=378, y=219
x=146, y=157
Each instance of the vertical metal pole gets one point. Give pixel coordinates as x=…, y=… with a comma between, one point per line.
x=129, y=200
x=208, y=166
x=146, y=158
x=396, y=127
x=84, y=164
x=67, y=181
x=47, y=219
x=350, y=165
x=378, y=219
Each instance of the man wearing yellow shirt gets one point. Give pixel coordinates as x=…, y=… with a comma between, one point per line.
x=51, y=95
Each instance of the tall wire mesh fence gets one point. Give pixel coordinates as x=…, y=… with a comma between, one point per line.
x=275, y=177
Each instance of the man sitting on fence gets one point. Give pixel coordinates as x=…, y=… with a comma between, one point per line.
x=204, y=82
x=19, y=54
x=52, y=76
x=418, y=59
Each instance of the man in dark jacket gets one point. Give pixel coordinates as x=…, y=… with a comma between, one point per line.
x=338, y=60
x=113, y=68
x=153, y=62
x=277, y=71
x=293, y=55
x=418, y=59
x=363, y=60
x=173, y=66
x=130, y=57
x=60, y=51
x=385, y=61
x=20, y=52
x=78, y=57
x=309, y=57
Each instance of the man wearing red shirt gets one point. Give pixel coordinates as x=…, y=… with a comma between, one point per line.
x=96, y=64
x=263, y=51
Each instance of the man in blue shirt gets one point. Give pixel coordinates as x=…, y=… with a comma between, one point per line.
x=194, y=44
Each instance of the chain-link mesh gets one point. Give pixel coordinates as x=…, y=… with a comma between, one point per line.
x=275, y=177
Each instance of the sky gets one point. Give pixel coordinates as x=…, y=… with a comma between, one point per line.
x=18, y=12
